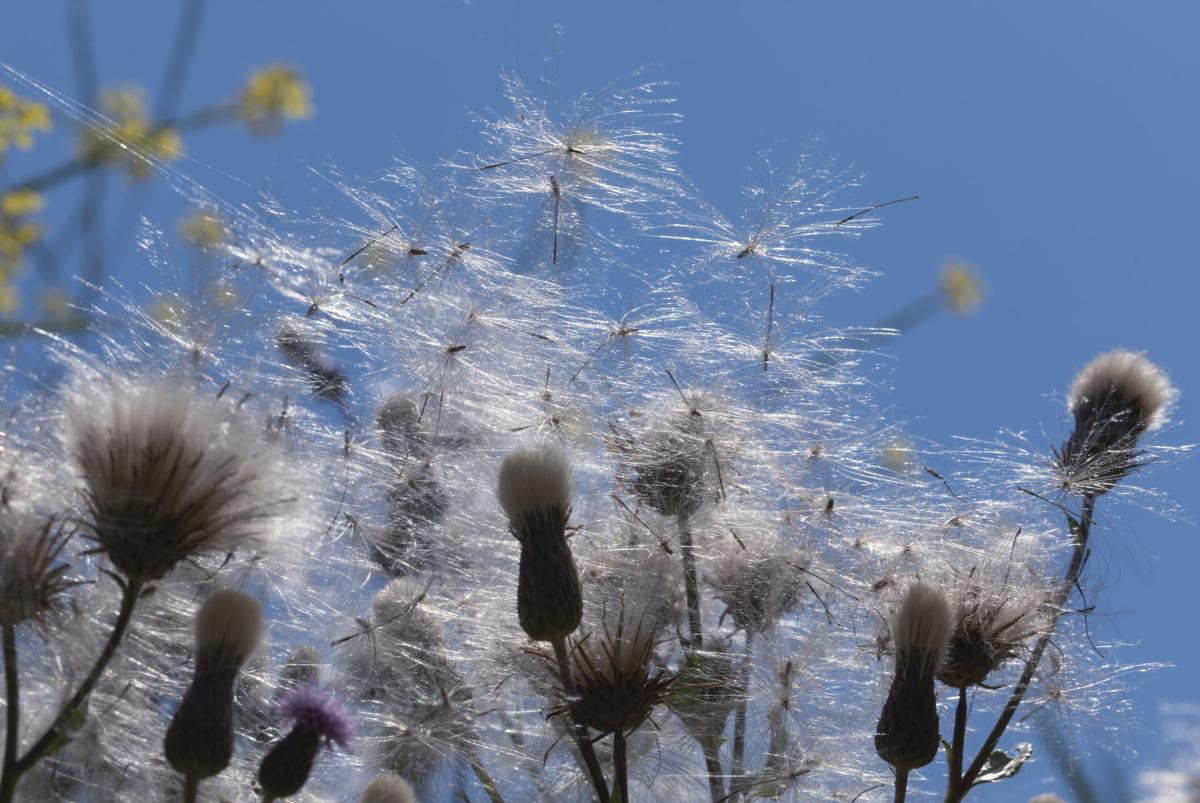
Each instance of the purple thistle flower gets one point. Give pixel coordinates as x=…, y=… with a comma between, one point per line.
x=311, y=709
x=317, y=720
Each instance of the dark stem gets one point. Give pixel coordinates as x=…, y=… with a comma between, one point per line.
x=8, y=778
x=53, y=735
x=619, y=761
x=691, y=587
x=191, y=789
x=1071, y=577
x=712, y=763
x=582, y=740
x=901, y=785
x=739, y=722
x=960, y=742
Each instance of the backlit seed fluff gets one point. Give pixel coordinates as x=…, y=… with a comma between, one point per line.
x=906, y=735
x=199, y=740
x=1114, y=399
x=388, y=788
x=165, y=476
x=33, y=581
x=535, y=491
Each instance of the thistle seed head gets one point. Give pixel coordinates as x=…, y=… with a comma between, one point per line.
x=33, y=580
x=388, y=788
x=164, y=477
x=666, y=473
x=906, y=735
x=617, y=684
x=535, y=491
x=988, y=627
x=317, y=720
x=228, y=629
x=758, y=585
x=1114, y=399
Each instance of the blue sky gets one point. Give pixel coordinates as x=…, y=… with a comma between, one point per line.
x=1054, y=146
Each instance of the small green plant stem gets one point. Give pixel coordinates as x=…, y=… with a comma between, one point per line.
x=739, y=723
x=901, y=785
x=56, y=733
x=1078, y=555
x=8, y=778
x=191, y=789
x=959, y=743
x=620, y=762
x=582, y=740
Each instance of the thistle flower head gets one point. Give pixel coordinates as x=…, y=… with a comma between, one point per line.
x=317, y=720
x=33, y=580
x=758, y=585
x=228, y=629
x=618, y=686
x=906, y=735
x=164, y=477
x=1115, y=398
x=388, y=788
x=535, y=492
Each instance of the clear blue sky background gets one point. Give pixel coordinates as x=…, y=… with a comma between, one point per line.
x=1054, y=145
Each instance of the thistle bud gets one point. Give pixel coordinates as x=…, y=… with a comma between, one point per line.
x=317, y=720
x=388, y=788
x=706, y=690
x=199, y=741
x=535, y=491
x=1114, y=399
x=907, y=733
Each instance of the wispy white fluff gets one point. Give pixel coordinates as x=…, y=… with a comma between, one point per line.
x=534, y=481
x=921, y=627
x=1136, y=382
x=228, y=629
x=388, y=788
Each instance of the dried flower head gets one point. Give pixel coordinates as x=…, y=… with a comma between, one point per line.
x=165, y=477
x=1116, y=397
x=317, y=720
x=535, y=491
x=989, y=623
x=617, y=684
x=199, y=741
x=388, y=788
x=33, y=580
x=906, y=735
x=758, y=585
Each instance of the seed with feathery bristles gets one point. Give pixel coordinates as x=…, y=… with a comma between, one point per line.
x=666, y=473
x=317, y=720
x=906, y=735
x=199, y=741
x=388, y=788
x=988, y=626
x=33, y=581
x=759, y=585
x=1116, y=398
x=165, y=477
x=535, y=491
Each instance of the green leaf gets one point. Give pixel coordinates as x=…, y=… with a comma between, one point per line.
x=1000, y=765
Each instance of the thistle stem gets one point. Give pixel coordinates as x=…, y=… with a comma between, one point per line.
x=690, y=584
x=191, y=789
x=8, y=778
x=960, y=742
x=57, y=731
x=582, y=740
x=739, y=723
x=1078, y=555
x=901, y=785
x=620, y=762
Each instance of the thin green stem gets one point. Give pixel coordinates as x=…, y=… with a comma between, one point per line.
x=959, y=744
x=620, y=763
x=58, y=731
x=582, y=740
x=12, y=688
x=191, y=789
x=690, y=584
x=1078, y=555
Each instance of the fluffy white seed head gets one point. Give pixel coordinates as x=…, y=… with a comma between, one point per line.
x=166, y=476
x=535, y=486
x=388, y=788
x=228, y=629
x=921, y=628
x=1130, y=380
x=33, y=578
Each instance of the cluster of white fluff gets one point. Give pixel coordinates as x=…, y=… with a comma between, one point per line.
x=335, y=427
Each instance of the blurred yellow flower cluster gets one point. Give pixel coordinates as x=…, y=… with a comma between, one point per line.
x=130, y=140
x=272, y=95
x=19, y=119
x=202, y=230
x=17, y=233
x=962, y=289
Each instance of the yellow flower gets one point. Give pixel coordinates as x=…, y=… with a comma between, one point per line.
x=16, y=234
x=962, y=289
x=19, y=119
x=272, y=95
x=130, y=139
x=202, y=230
